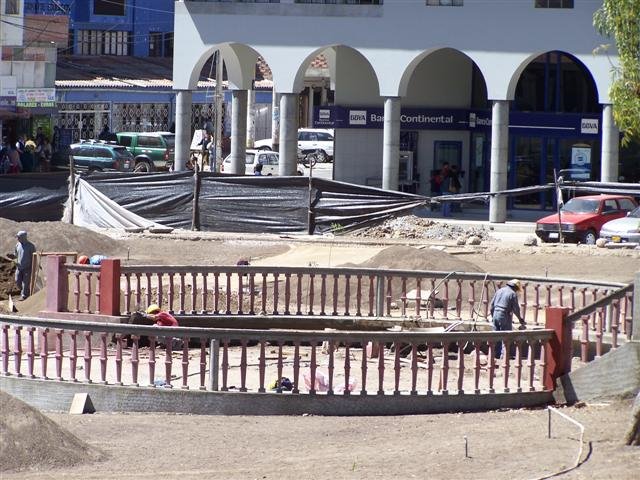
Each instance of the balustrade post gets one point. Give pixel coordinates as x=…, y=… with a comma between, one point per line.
x=57, y=284
x=214, y=363
x=380, y=296
x=110, y=286
x=558, y=354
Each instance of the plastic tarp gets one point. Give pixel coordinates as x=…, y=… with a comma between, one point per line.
x=344, y=206
x=94, y=209
x=33, y=196
x=164, y=198
x=248, y=203
x=254, y=204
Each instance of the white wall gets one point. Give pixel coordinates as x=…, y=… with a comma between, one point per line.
x=11, y=35
x=355, y=81
x=442, y=79
x=360, y=156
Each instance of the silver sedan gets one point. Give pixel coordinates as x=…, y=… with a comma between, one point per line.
x=623, y=230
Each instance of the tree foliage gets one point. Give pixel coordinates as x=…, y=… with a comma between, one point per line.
x=620, y=20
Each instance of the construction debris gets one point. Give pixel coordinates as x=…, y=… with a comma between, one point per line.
x=410, y=226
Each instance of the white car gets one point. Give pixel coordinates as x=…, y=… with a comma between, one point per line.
x=623, y=230
x=309, y=140
x=269, y=161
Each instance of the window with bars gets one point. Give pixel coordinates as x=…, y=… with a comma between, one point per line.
x=445, y=3
x=98, y=42
x=12, y=7
x=554, y=3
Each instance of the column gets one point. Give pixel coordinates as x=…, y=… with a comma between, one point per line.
x=288, y=134
x=610, y=146
x=310, y=108
x=391, y=144
x=183, y=129
x=275, y=121
x=251, y=118
x=238, y=131
x=499, y=159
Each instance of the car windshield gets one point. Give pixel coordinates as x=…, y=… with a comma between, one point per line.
x=171, y=140
x=580, y=205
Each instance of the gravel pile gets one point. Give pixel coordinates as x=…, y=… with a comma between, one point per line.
x=415, y=227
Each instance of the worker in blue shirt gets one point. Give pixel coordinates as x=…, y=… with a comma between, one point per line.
x=24, y=253
x=504, y=306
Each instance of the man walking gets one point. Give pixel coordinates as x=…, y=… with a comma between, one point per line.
x=24, y=253
x=503, y=306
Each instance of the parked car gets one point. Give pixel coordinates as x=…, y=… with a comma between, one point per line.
x=623, y=230
x=98, y=156
x=269, y=161
x=310, y=140
x=151, y=150
x=583, y=217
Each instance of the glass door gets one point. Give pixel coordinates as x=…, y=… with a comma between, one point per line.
x=527, y=169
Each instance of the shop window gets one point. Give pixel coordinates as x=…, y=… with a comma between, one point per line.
x=12, y=7
x=554, y=3
x=445, y=3
x=108, y=7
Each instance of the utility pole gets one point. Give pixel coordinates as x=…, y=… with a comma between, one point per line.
x=218, y=98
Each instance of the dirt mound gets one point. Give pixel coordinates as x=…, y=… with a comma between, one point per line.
x=50, y=237
x=409, y=258
x=410, y=226
x=31, y=441
x=58, y=237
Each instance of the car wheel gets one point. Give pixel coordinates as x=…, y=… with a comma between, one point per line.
x=590, y=237
x=322, y=156
x=543, y=238
x=143, y=166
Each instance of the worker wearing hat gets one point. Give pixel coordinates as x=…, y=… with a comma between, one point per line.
x=504, y=306
x=160, y=318
x=24, y=251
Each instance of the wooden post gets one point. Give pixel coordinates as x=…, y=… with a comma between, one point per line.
x=110, y=286
x=558, y=355
x=72, y=188
x=195, y=217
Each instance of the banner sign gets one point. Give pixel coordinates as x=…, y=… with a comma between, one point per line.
x=558, y=124
x=8, y=104
x=36, y=97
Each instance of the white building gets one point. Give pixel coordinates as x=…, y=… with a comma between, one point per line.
x=508, y=90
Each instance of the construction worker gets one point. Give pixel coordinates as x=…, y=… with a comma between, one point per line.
x=23, y=257
x=503, y=306
x=160, y=318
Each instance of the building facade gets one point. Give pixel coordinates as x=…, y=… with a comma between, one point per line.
x=508, y=91
x=27, y=74
x=140, y=28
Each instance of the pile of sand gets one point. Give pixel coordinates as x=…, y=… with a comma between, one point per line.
x=50, y=237
x=31, y=441
x=58, y=237
x=409, y=258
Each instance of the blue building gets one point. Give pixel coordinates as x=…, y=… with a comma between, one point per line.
x=140, y=28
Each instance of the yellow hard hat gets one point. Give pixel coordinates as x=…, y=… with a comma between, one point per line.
x=514, y=283
x=153, y=308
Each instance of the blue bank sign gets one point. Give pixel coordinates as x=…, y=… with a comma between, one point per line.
x=458, y=119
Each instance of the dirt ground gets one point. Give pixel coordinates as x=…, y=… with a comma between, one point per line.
x=509, y=444
x=500, y=444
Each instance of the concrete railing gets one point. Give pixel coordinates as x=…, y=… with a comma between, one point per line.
x=112, y=289
x=377, y=363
